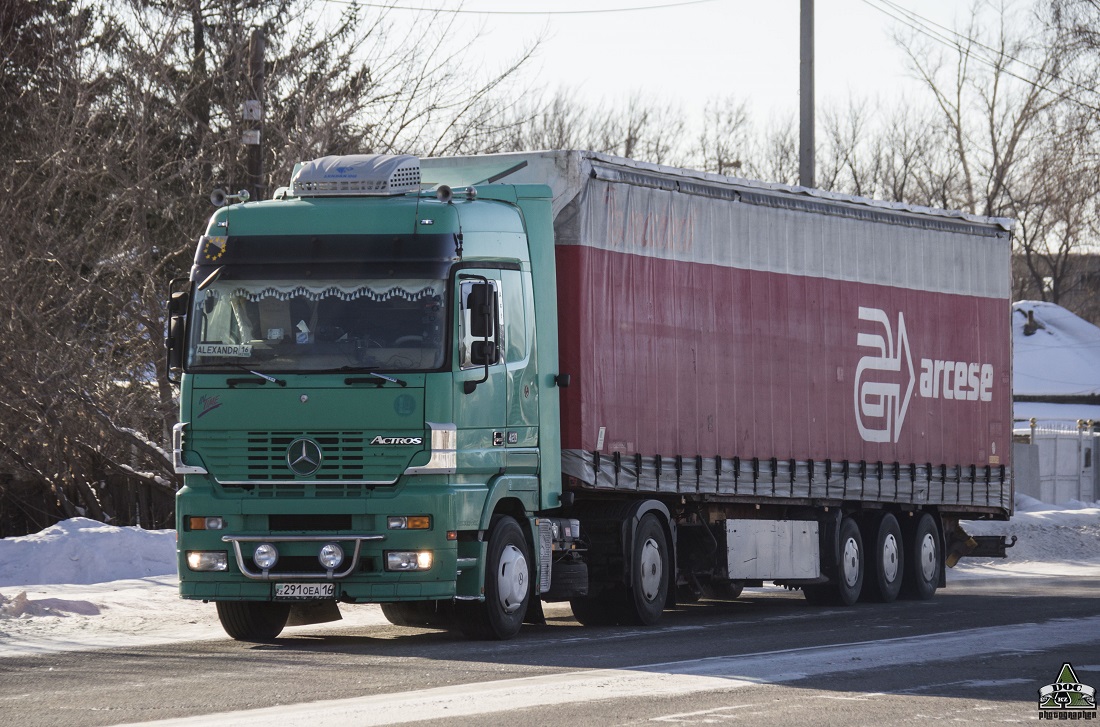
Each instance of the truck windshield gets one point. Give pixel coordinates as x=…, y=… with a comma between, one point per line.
x=318, y=325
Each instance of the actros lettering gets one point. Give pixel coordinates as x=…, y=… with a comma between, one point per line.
x=956, y=380
x=884, y=379
x=397, y=440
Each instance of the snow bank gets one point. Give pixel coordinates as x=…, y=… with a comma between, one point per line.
x=85, y=551
x=1051, y=540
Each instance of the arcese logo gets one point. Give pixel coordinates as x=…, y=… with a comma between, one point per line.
x=884, y=380
x=397, y=440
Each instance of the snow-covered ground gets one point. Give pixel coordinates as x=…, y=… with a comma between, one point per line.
x=84, y=585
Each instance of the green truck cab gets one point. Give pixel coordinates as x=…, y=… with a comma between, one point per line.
x=366, y=414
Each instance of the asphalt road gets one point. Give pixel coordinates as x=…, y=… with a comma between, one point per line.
x=977, y=653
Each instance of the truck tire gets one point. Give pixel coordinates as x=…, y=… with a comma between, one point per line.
x=885, y=560
x=850, y=571
x=599, y=611
x=256, y=621
x=421, y=614
x=922, y=571
x=724, y=590
x=651, y=564
x=507, y=585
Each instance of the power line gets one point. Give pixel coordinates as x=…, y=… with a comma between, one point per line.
x=917, y=17
x=463, y=11
x=922, y=25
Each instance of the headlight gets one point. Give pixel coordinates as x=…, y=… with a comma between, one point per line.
x=331, y=555
x=265, y=556
x=409, y=522
x=206, y=523
x=408, y=560
x=207, y=560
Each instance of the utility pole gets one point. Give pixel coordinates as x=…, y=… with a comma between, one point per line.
x=253, y=114
x=806, y=96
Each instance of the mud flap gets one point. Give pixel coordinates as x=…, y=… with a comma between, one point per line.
x=313, y=612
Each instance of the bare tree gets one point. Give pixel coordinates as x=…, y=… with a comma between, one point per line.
x=123, y=118
x=724, y=141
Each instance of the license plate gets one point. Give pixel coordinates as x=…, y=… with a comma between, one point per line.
x=304, y=591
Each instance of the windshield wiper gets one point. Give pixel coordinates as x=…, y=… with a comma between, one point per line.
x=378, y=380
x=265, y=377
x=391, y=379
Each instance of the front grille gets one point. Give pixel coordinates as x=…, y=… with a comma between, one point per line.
x=344, y=455
x=257, y=461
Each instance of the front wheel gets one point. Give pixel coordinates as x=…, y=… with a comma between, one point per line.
x=507, y=585
x=256, y=621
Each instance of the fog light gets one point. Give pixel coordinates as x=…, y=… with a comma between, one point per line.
x=265, y=556
x=408, y=560
x=207, y=560
x=331, y=555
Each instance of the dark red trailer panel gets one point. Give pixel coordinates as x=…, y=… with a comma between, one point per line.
x=732, y=338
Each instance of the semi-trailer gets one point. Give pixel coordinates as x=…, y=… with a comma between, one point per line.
x=462, y=387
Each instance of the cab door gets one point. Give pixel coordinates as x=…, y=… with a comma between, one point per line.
x=481, y=382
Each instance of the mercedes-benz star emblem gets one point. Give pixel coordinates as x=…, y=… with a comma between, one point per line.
x=303, y=456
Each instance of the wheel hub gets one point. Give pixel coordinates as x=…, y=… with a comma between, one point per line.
x=928, y=557
x=652, y=569
x=890, y=558
x=851, y=562
x=512, y=579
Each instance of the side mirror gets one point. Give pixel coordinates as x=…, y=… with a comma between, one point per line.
x=482, y=303
x=174, y=343
x=484, y=353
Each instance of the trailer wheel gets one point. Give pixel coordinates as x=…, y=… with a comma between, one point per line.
x=649, y=584
x=852, y=563
x=885, y=561
x=256, y=621
x=820, y=594
x=922, y=572
x=850, y=571
x=507, y=585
